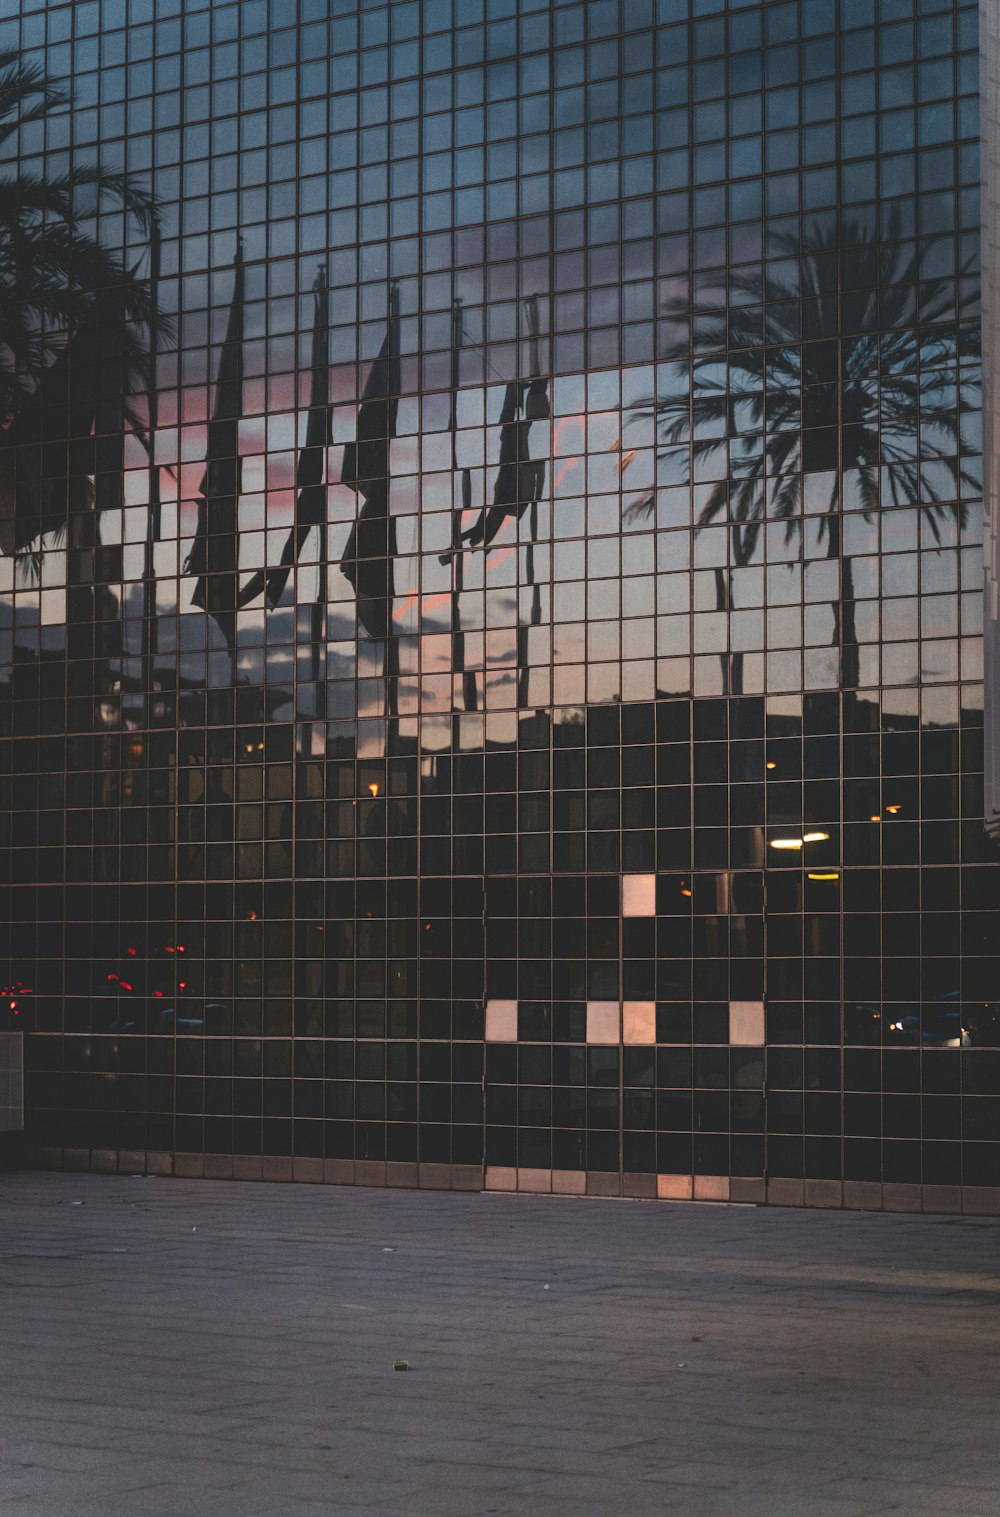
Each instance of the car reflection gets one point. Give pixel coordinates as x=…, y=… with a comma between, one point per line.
x=185, y=1020
x=212, y=1018
x=938, y=1026
x=945, y=1022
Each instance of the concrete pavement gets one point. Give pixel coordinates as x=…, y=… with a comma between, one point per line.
x=210, y=1349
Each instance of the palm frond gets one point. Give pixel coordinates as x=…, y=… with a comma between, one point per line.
x=26, y=93
x=874, y=330
x=78, y=324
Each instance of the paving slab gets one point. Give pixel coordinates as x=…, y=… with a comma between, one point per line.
x=219, y=1349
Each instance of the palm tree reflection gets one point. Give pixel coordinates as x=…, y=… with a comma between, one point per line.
x=78, y=328
x=843, y=372
x=74, y=325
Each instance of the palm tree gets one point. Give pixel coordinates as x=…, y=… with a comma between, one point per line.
x=847, y=370
x=75, y=331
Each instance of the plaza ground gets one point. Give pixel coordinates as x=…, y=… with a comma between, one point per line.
x=211, y=1349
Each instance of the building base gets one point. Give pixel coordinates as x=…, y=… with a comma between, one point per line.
x=847, y=1195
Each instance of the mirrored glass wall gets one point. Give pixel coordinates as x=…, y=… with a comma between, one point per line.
x=491, y=594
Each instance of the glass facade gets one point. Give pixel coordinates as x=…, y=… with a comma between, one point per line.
x=497, y=697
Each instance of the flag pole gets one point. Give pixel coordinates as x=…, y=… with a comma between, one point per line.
x=150, y=623
x=391, y=656
x=535, y=613
x=321, y=350
x=469, y=691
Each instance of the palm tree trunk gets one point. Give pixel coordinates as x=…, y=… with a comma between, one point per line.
x=469, y=691
x=845, y=635
x=732, y=663
x=150, y=625
x=81, y=625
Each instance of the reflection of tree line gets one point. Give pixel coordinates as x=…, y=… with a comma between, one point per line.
x=838, y=395
x=79, y=333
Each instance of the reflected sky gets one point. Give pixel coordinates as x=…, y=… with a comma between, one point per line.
x=759, y=377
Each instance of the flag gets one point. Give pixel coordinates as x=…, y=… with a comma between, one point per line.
x=368, y=557
x=310, y=502
x=213, y=556
x=521, y=479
